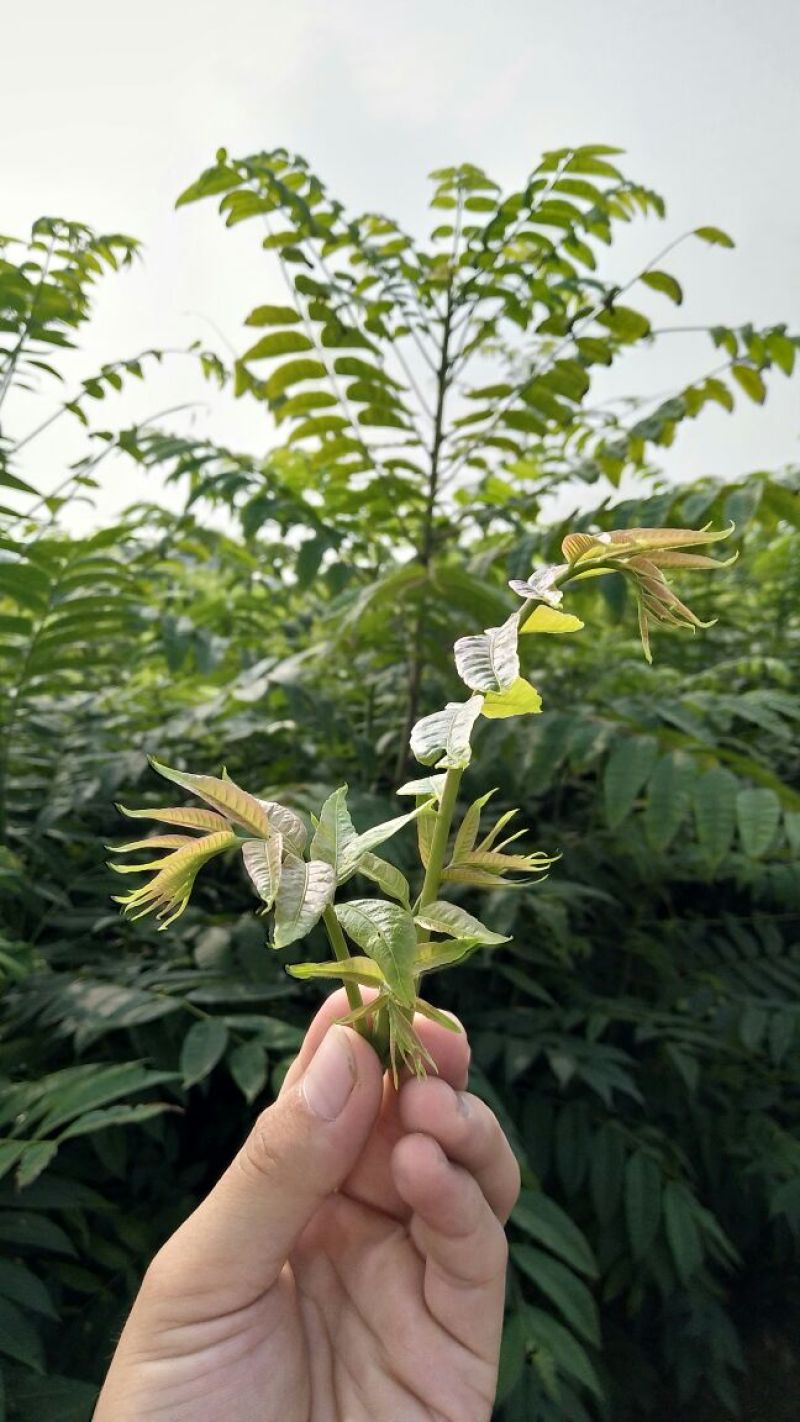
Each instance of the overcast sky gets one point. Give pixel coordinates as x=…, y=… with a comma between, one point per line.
x=107, y=112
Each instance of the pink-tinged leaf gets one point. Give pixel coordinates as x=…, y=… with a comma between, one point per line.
x=156, y=841
x=222, y=795
x=671, y=558
x=187, y=815
x=262, y=860
x=286, y=822
x=303, y=895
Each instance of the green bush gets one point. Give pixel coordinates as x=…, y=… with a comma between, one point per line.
x=639, y=1038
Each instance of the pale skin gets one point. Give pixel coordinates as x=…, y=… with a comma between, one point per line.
x=348, y=1267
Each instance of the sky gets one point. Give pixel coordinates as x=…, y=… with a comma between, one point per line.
x=108, y=112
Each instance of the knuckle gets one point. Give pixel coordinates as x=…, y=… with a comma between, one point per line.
x=497, y=1251
x=260, y=1155
x=159, y=1281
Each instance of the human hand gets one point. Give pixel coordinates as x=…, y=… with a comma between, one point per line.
x=348, y=1267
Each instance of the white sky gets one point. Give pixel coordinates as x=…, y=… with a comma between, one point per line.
x=107, y=112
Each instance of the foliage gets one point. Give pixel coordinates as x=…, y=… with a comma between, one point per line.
x=639, y=1034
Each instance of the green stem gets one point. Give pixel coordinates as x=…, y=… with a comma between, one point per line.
x=441, y=834
x=374, y=1028
x=339, y=946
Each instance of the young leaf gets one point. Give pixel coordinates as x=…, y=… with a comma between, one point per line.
x=542, y=584
x=349, y=970
x=468, y=829
x=426, y=824
x=387, y=877
x=170, y=888
x=443, y=739
x=550, y=620
x=262, y=860
x=188, y=816
x=519, y=699
x=362, y=844
x=386, y=934
x=278, y=343
x=334, y=832
x=444, y=917
x=431, y=785
x=304, y=893
x=284, y=821
x=444, y=953
x=489, y=662
x=222, y=795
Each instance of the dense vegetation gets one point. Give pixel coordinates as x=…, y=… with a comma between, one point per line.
x=640, y=1037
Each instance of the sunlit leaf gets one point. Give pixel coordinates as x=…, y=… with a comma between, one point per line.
x=550, y=620
x=518, y=699
x=223, y=796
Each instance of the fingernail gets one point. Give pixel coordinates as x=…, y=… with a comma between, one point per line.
x=462, y=1101
x=331, y=1076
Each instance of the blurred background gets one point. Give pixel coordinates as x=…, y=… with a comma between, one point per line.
x=234, y=529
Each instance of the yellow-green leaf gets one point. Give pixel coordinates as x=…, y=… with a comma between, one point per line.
x=222, y=795
x=520, y=699
x=549, y=619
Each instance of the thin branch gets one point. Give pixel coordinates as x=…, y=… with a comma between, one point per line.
x=15, y=354
x=64, y=407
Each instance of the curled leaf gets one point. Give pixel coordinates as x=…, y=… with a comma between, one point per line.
x=443, y=739
x=542, y=585
x=489, y=662
x=167, y=893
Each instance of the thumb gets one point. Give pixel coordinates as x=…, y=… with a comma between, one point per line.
x=299, y=1151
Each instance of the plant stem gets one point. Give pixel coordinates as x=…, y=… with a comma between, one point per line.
x=339, y=946
x=441, y=834
x=374, y=1028
x=425, y=549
